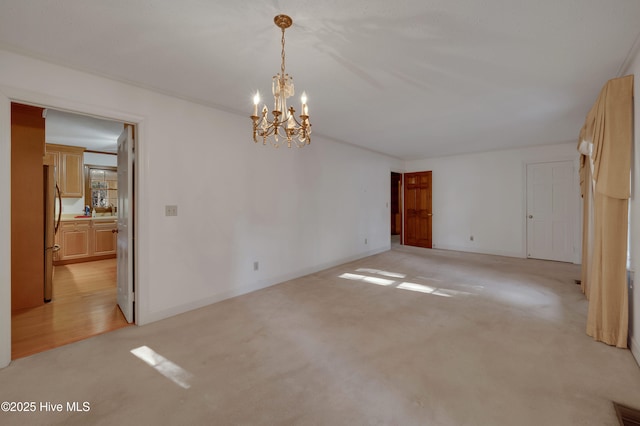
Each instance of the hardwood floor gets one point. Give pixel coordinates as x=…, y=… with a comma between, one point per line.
x=84, y=305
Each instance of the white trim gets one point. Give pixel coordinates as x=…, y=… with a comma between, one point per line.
x=577, y=229
x=467, y=249
x=28, y=97
x=5, y=231
x=523, y=223
x=10, y=94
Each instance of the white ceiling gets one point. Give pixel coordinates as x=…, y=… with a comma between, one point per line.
x=91, y=133
x=409, y=78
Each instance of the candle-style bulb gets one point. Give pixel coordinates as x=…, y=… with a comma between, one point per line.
x=256, y=101
x=303, y=99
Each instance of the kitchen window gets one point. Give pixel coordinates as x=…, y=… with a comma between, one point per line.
x=101, y=188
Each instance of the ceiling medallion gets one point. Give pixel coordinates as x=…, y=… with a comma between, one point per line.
x=284, y=125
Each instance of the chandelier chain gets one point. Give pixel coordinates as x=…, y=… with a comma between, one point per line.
x=282, y=66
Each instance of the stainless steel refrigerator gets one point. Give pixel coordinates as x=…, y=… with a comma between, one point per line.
x=52, y=214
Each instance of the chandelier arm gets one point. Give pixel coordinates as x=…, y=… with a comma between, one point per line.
x=299, y=133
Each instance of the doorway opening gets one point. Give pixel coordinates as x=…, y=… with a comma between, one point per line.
x=86, y=251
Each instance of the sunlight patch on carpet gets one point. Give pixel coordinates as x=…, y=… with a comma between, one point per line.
x=170, y=370
x=423, y=289
x=372, y=280
x=384, y=273
x=420, y=288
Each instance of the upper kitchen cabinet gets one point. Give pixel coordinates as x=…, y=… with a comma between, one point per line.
x=69, y=164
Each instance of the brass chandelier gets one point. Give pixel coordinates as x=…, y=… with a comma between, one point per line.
x=284, y=124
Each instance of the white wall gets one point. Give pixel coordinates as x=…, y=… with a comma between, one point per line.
x=295, y=211
x=96, y=159
x=483, y=195
x=634, y=213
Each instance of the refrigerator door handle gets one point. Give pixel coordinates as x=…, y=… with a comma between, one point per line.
x=55, y=229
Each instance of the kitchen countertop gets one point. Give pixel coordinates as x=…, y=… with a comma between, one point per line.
x=71, y=217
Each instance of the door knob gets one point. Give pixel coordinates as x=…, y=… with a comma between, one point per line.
x=114, y=231
x=530, y=216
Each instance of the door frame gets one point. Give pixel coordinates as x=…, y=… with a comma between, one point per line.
x=577, y=204
x=19, y=95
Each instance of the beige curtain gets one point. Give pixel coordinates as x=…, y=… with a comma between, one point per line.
x=609, y=130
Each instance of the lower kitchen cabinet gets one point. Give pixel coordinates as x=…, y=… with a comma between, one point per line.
x=104, y=239
x=74, y=240
x=85, y=240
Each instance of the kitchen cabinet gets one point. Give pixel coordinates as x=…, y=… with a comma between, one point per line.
x=104, y=237
x=74, y=240
x=69, y=165
x=86, y=240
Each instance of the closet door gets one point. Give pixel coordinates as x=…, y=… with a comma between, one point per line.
x=551, y=211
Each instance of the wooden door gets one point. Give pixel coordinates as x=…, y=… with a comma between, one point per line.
x=417, y=209
x=27, y=206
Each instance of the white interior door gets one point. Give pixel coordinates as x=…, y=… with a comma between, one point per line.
x=125, y=221
x=550, y=212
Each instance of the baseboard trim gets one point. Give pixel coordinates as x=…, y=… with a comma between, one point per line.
x=477, y=250
x=635, y=349
x=149, y=317
x=84, y=259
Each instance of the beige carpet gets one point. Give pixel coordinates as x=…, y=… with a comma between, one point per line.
x=407, y=337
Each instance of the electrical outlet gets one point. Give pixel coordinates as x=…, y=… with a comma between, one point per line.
x=171, y=210
x=366, y=241
x=471, y=238
x=256, y=266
